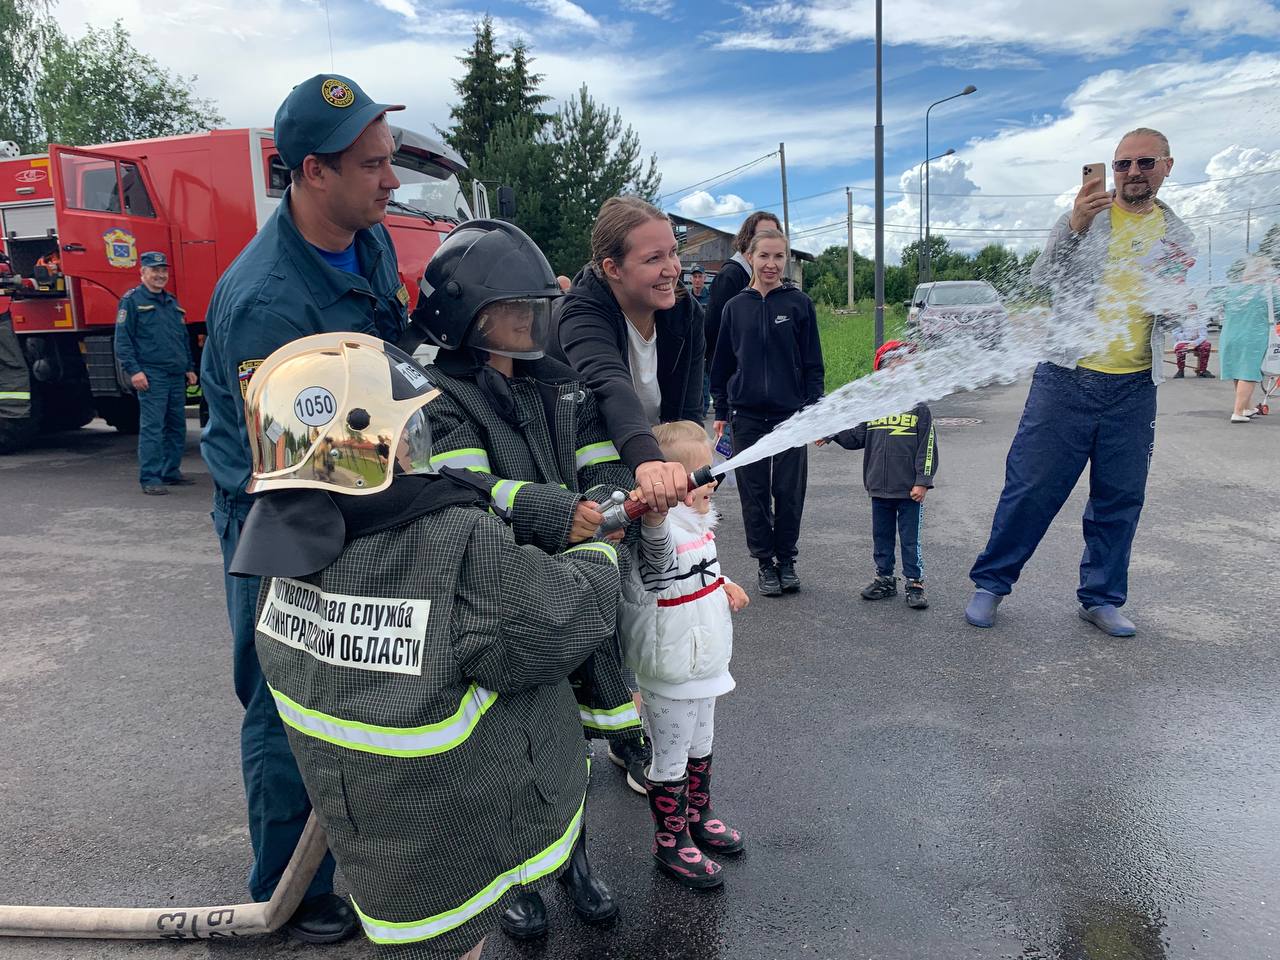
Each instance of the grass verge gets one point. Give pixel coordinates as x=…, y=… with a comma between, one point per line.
x=848, y=339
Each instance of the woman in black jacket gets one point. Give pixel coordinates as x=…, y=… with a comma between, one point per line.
x=734, y=276
x=638, y=347
x=768, y=364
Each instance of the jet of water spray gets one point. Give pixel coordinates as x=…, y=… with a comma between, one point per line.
x=1078, y=327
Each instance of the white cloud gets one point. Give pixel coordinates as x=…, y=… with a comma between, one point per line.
x=702, y=204
x=1221, y=120
x=567, y=12
x=1085, y=27
x=663, y=9
x=402, y=7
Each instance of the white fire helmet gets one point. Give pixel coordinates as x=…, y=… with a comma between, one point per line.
x=342, y=412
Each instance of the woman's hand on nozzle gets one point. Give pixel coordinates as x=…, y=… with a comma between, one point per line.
x=662, y=485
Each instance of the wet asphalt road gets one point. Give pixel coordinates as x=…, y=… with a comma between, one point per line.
x=910, y=787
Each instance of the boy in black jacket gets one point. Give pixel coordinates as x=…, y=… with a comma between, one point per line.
x=898, y=467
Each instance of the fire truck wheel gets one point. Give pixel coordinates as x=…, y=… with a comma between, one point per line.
x=120, y=412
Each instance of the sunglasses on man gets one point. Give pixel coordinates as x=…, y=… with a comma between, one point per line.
x=1144, y=163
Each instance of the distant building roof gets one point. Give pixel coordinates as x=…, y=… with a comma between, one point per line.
x=699, y=226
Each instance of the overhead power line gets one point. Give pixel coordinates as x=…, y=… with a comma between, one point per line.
x=719, y=178
x=970, y=196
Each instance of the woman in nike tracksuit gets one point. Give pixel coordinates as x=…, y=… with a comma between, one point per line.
x=768, y=365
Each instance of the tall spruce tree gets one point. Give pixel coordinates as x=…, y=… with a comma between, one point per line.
x=519, y=156
x=483, y=91
x=594, y=158
x=522, y=96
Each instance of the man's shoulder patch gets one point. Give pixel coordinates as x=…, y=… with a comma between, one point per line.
x=403, y=295
x=244, y=373
x=122, y=315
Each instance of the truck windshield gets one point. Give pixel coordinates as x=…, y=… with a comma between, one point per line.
x=427, y=186
x=962, y=294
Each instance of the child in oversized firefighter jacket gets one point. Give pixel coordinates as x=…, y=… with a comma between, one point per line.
x=417, y=654
x=898, y=467
x=527, y=430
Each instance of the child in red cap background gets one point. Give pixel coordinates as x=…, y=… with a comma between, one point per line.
x=898, y=466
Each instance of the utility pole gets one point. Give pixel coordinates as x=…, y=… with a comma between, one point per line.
x=1210, y=259
x=879, y=146
x=786, y=210
x=848, y=195
x=1248, y=223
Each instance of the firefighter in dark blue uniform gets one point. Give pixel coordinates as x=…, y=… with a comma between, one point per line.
x=322, y=263
x=155, y=354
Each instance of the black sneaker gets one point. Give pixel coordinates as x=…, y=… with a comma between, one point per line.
x=1206, y=375
x=633, y=756
x=1180, y=374
x=881, y=588
x=787, y=576
x=916, y=599
x=770, y=585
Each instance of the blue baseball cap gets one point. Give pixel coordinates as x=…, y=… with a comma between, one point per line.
x=325, y=114
x=153, y=258
x=697, y=269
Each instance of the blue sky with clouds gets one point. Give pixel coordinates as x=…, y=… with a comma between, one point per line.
x=712, y=85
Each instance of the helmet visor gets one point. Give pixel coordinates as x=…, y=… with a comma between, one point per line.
x=414, y=452
x=516, y=328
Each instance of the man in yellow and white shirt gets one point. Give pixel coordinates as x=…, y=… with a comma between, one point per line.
x=1108, y=261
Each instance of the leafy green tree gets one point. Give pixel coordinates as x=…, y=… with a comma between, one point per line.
x=829, y=290
x=100, y=88
x=999, y=266
x=594, y=158
x=26, y=30
x=1269, y=245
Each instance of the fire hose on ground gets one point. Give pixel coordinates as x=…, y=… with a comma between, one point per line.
x=178, y=923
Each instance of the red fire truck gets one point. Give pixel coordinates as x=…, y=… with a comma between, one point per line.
x=199, y=199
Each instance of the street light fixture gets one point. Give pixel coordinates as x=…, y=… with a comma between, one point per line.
x=928, y=266
x=920, y=205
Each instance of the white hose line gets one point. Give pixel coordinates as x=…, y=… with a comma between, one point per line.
x=178, y=923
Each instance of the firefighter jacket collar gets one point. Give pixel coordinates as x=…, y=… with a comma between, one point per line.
x=327, y=285
x=295, y=533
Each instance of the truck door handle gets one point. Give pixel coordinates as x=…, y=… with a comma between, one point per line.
x=73, y=247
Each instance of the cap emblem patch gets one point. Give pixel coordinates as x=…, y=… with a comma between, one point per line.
x=337, y=94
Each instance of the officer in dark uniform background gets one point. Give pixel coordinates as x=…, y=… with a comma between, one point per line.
x=155, y=353
x=322, y=263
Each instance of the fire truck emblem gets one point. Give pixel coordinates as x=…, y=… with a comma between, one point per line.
x=31, y=175
x=337, y=94
x=122, y=248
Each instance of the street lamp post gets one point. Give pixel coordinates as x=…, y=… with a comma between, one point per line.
x=878, y=329
x=920, y=204
x=928, y=265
